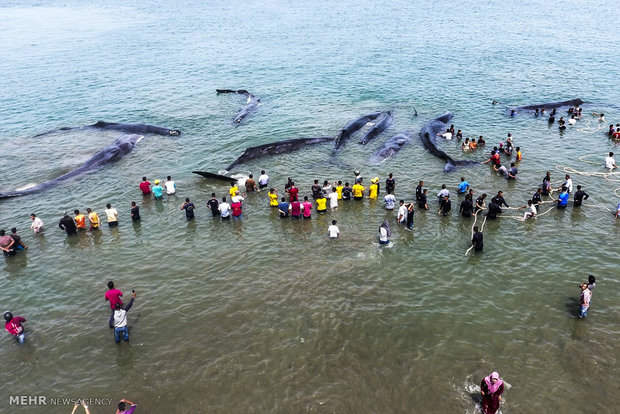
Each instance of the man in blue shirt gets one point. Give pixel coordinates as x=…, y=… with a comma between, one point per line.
x=283, y=208
x=512, y=173
x=563, y=198
x=463, y=186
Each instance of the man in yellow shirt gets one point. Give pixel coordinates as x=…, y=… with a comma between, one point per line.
x=358, y=191
x=373, y=190
x=233, y=190
x=93, y=218
x=339, y=188
x=321, y=204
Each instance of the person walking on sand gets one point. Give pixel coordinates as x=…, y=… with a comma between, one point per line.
x=491, y=389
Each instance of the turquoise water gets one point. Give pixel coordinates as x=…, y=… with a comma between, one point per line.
x=266, y=315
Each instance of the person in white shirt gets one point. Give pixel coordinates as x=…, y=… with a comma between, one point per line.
x=572, y=120
x=610, y=162
x=37, y=224
x=443, y=193
x=225, y=209
x=171, y=187
x=384, y=233
x=118, y=319
x=402, y=212
x=531, y=210
x=237, y=198
x=447, y=135
x=568, y=184
x=333, y=231
x=112, y=215
x=390, y=201
x=263, y=180
x=333, y=199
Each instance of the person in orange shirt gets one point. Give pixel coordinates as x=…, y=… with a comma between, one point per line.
x=80, y=220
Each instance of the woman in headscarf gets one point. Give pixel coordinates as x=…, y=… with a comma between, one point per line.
x=491, y=389
x=384, y=233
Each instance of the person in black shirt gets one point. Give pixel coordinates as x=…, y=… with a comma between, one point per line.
x=499, y=199
x=67, y=224
x=346, y=192
x=422, y=200
x=188, y=206
x=470, y=196
x=536, y=198
x=135, y=211
x=476, y=240
x=466, y=208
x=580, y=196
x=19, y=244
x=445, y=206
x=480, y=205
x=390, y=184
x=418, y=191
x=317, y=191
x=494, y=210
x=214, y=205
x=546, y=184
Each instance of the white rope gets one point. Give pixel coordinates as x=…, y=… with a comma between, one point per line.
x=588, y=130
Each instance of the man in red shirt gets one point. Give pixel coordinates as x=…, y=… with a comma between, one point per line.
x=292, y=192
x=236, y=210
x=14, y=326
x=113, y=295
x=145, y=186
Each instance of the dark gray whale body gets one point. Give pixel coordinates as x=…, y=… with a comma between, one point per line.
x=352, y=127
x=250, y=105
x=428, y=135
x=206, y=174
x=391, y=147
x=383, y=122
x=126, y=128
x=114, y=152
x=551, y=105
x=274, y=148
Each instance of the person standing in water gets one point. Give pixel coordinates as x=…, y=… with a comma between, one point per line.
x=135, y=212
x=384, y=233
x=112, y=215
x=80, y=220
x=13, y=325
x=158, y=191
x=477, y=240
x=118, y=320
x=37, y=224
x=93, y=219
x=410, y=213
x=19, y=244
x=580, y=197
x=170, y=185
x=67, y=224
x=145, y=187
x=491, y=389
x=584, y=300
x=188, y=206
x=213, y=204
x=333, y=231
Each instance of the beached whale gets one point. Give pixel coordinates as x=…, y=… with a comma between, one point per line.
x=250, y=104
x=114, y=152
x=428, y=135
x=382, y=123
x=274, y=148
x=551, y=105
x=352, y=127
x=216, y=176
x=126, y=128
x=391, y=147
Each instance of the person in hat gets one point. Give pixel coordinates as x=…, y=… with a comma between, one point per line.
x=373, y=189
x=491, y=389
x=158, y=191
x=384, y=233
x=13, y=325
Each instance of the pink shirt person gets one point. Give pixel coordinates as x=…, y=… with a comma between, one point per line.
x=113, y=295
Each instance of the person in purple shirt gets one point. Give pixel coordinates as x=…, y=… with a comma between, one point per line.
x=122, y=405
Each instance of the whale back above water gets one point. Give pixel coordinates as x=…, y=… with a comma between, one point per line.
x=391, y=147
x=352, y=127
x=383, y=122
x=551, y=105
x=119, y=148
x=250, y=105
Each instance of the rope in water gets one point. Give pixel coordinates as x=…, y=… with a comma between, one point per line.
x=588, y=130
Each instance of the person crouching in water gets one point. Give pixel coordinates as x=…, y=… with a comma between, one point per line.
x=118, y=320
x=14, y=326
x=384, y=233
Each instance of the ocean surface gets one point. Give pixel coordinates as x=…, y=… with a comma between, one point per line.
x=266, y=315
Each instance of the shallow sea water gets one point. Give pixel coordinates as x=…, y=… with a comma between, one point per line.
x=267, y=315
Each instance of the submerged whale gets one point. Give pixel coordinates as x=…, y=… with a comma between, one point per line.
x=383, y=122
x=250, y=104
x=126, y=128
x=352, y=127
x=391, y=147
x=551, y=105
x=114, y=152
x=279, y=147
x=428, y=135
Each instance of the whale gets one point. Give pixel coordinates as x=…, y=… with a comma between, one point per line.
x=353, y=126
x=382, y=123
x=125, y=128
x=551, y=105
x=428, y=135
x=119, y=148
x=278, y=147
x=220, y=177
x=390, y=147
x=250, y=104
